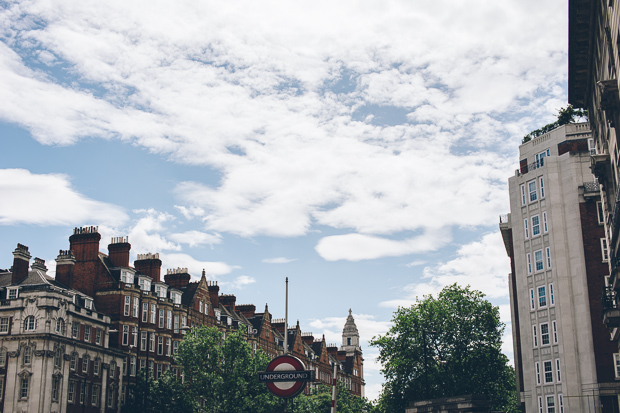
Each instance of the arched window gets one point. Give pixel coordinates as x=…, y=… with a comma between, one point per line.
x=30, y=324
x=60, y=326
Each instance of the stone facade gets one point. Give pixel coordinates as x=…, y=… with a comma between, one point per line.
x=555, y=238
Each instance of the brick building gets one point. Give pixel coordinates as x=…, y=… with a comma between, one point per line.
x=144, y=318
x=555, y=238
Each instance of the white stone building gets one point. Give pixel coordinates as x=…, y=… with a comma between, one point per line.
x=555, y=238
x=54, y=354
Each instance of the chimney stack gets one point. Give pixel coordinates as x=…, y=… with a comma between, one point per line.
x=228, y=301
x=39, y=264
x=214, y=294
x=84, y=244
x=118, y=251
x=177, y=278
x=21, y=262
x=65, y=263
x=149, y=264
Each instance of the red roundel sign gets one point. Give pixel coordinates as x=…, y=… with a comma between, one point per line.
x=286, y=368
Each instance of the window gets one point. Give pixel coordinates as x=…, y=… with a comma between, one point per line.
x=548, y=252
x=184, y=319
x=617, y=364
x=551, y=295
x=2, y=357
x=124, y=372
x=159, y=370
x=94, y=398
x=529, y=263
x=23, y=388
x=176, y=323
x=526, y=228
x=599, y=212
x=152, y=342
x=125, y=335
x=537, y=373
x=75, y=330
x=554, y=327
x=57, y=358
x=542, y=187
x=161, y=318
x=97, y=336
x=550, y=404
x=127, y=305
x=557, y=370
x=532, y=300
x=126, y=277
x=200, y=307
x=30, y=324
x=561, y=403
x=96, y=365
x=535, y=335
x=153, y=310
x=523, y=198
x=27, y=355
x=132, y=365
x=160, y=345
x=73, y=361
x=71, y=392
x=82, y=392
x=542, y=297
x=168, y=346
x=532, y=190
x=544, y=334
x=169, y=320
x=136, y=307
x=604, y=250
x=538, y=260
x=175, y=347
x=55, y=387
x=4, y=325
x=134, y=336
x=60, y=326
x=548, y=371
x=110, y=397
x=535, y=225
x=145, y=312
x=545, y=228
x=143, y=341
x=87, y=334
x=88, y=303
x=112, y=369
x=12, y=293
x=85, y=363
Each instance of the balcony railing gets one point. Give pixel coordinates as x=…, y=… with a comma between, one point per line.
x=609, y=308
x=591, y=187
x=503, y=219
x=532, y=166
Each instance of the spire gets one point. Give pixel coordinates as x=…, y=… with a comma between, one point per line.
x=350, y=335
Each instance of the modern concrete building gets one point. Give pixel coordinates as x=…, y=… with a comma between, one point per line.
x=593, y=69
x=555, y=237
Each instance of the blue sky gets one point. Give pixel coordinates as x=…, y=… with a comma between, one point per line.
x=361, y=149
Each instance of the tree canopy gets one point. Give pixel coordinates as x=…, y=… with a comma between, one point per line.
x=565, y=115
x=444, y=347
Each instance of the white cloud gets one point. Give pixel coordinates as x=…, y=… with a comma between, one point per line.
x=252, y=91
x=278, y=260
x=356, y=247
x=194, y=238
x=49, y=199
x=416, y=263
x=145, y=235
x=238, y=283
x=195, y=267
x=482, y=264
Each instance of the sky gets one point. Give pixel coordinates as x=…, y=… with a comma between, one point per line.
x=359, y=148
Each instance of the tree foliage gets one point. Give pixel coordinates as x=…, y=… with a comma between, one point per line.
x=565, y=115
x=444, y=347
x=222, y=373
x=321, y=401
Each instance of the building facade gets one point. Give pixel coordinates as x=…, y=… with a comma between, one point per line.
x=555, y=237
x=141, y=320
x=594, y=63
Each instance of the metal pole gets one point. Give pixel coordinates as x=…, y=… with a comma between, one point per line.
x=286, y=320
x=334, y=389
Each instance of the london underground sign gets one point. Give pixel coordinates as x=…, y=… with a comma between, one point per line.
x=286, y=376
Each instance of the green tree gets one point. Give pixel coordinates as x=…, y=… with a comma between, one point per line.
x=167, y=394
x=222, y=373
x=321, y=401
x=444, y=347
x=565, y=115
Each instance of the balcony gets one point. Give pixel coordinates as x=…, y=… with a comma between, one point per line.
x=600, y=165
x=610, y=310
x=530, y=167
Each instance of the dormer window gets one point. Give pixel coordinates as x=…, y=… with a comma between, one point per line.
x=88, y=303
x=12, y=293
x=145, y=284
x=161, y=291
x=127, y=277
x=176, y=297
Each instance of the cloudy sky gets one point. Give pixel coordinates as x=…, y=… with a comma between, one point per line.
x=360, y=148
